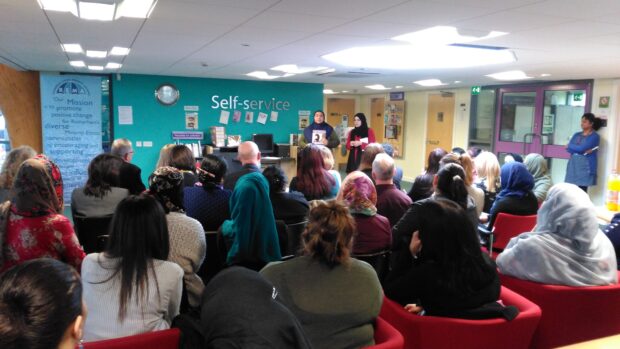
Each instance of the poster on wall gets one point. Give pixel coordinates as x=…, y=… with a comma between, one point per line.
x=71, y=122
x=394, y=118
x=191, y=121
x=304, y=118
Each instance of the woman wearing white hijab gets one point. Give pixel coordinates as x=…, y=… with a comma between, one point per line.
x=566, y=247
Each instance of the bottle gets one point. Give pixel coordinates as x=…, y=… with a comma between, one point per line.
x=613, y=187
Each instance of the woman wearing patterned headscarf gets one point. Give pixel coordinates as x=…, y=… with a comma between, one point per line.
x=373, y=230
x=31, y=223
x=188, y=245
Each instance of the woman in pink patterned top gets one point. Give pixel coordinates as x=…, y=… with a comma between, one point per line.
x=31, y=223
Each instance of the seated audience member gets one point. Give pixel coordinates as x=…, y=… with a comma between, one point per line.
x=188, y=245
x=209, y=202
x=451, y=276
x=10, y=166
x=291, y=207
x=423, y=184
x=251, y=230
x=398, y=174
x=391, y=202
x=513, y=157
x=537, y=165
x=312, y=179
x=130, y=288
x=328, y=163
x=164, y=156
x=373, y=231
x=32, y=223
x=182, y=158
x=249, y=156
x=468, y=167
x=449, y=184
x=488, y=178
x=240, y=309
x=613, y=233
x=458, y=151
x=473, y=152
x=339, y=307
x=516, y=197
x=368, y=156
x=102, y=191
x=129, y=174
x=566, y=246
x=41, y=306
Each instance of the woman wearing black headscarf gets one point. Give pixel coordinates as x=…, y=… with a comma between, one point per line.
x=358, y=139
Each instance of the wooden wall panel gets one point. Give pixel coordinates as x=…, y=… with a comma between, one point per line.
x=20, y=102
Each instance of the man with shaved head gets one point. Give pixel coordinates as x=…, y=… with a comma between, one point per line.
x=249, y=156
x=391, y=201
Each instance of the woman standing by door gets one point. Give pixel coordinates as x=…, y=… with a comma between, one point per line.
x=358, y=139
x=583, y=147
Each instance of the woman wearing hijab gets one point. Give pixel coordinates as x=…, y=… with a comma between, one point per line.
x=335, y=297
x=516, y=197
x=566, y=247
x=241, y=310
x=251, y=231
x=373, y=230
x=188, y=245
x=31, y=223
x=537, y=165
x=319, y=132
x=358, y=139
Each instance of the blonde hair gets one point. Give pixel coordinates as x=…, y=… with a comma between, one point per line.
x=12, y=162
x=164, y=156
x=487, y=167
x=328, y=158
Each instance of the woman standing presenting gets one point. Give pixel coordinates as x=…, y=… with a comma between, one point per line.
x=583, y=147
x=319, y=132
x=358, y=139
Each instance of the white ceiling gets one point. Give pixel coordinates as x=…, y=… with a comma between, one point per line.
x=569, y=39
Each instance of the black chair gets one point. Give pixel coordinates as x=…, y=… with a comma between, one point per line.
x=380, y=261
x=294, y=232
x=89, y=230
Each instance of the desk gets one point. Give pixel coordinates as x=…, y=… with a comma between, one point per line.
x=601, y=343
x=288, y=165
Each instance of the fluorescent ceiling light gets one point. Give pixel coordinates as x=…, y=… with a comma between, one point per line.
x=544, y=75
x=96, y=11
x=378, y=87
x=135, y=8
x=96, y=54
x=95, y=67
x=119, y=51
x=329, y=92
x=77, y=63
x=112, y=65
x=59, y=5
x=345, y=91
x=429, y=82
x=457, y=81
x=409, y=57
x=510, y=75
x=262, y=75
x=72, y=48
x=294, y=69
x=443, y=35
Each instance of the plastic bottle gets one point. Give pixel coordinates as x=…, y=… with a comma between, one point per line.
x=613, y=188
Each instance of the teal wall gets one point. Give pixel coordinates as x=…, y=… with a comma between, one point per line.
x=155, y=122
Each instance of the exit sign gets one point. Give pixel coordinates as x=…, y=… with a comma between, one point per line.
x=475, y=90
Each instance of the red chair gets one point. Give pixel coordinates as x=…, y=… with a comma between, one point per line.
x=440, y=332
x=570, y=314
x=386, y=336
x=507, y=226
x=166, y=339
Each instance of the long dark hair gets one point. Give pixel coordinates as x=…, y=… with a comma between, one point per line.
x=103, y=174
x=39, y=299
x=138, y=234
x=212, y=170
x=181, y=157
x=433, y=160
x=276, y=178
x=450, y=240
x=596, y=122
x=451, y=184
x=312, y=178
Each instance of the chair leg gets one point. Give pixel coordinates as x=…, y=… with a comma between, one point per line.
x=491, y=245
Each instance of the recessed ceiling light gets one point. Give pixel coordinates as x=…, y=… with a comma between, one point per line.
x=443, y=35
x=95, y=67
x=96, y=11
x=544, y=75
x=457, y=81
x=429, y=82
x=265, y=76
x=510, y=75
x=398, y=86
x=135, y=8
x=295, y=69
x=59, y=5
x=378, y=87
x=96, y=54
x=119, y=51
x=72, y=48
x=77, y=63
x=328, y=92
x=112, y=65
x=345, y=91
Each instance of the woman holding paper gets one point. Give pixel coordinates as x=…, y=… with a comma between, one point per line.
x=358, y=139
x=583, y=147
x=319, y=132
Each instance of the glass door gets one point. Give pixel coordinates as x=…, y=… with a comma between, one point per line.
x=517, y=127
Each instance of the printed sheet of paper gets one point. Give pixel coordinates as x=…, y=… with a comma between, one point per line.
x=224, y=115
x=125, y=115
x=318, y=136
x=262, y=118
x=237, y=116
x=274, y=116
x=249, y=117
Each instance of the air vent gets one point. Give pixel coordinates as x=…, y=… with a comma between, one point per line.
x=349, y=74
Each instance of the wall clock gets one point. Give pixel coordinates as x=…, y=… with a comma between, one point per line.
x=167, y=94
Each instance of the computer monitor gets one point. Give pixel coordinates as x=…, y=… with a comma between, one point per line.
x=264, y=142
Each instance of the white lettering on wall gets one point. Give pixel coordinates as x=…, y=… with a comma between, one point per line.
x=233, y=102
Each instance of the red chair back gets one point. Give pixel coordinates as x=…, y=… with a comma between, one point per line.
x=166, y=339
x=386, y=336
x=507, y=226
x=570, y=314
x=439, y=332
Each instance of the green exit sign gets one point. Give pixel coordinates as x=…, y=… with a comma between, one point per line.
x=578, y=97
x=475, y=90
